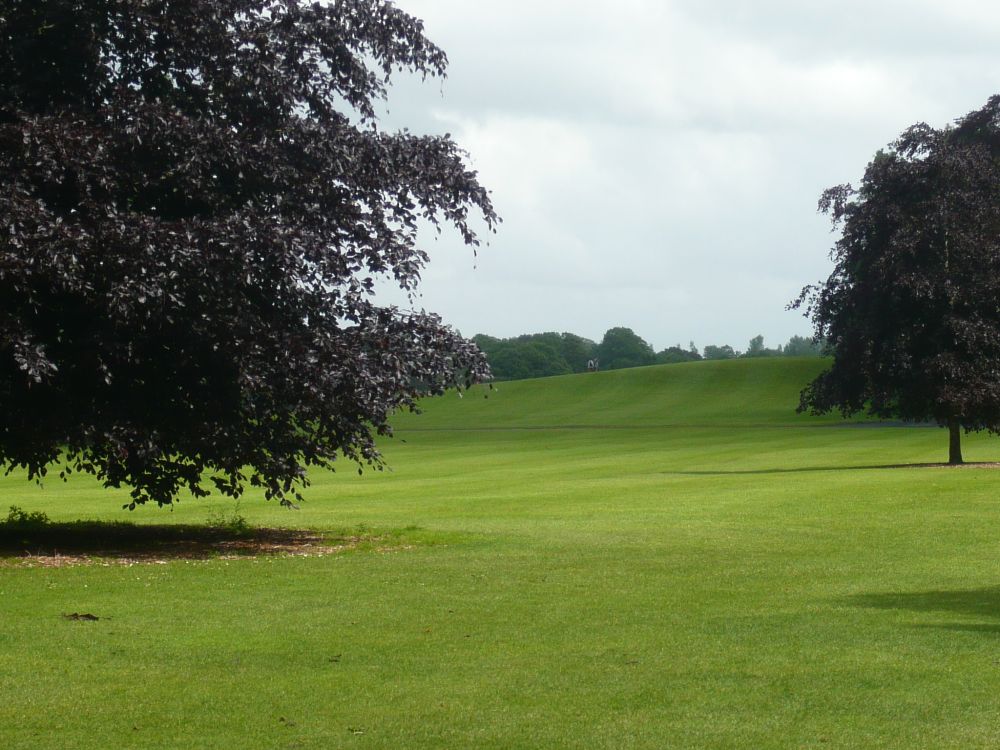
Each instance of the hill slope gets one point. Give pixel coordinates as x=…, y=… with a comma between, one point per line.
x=738, y=392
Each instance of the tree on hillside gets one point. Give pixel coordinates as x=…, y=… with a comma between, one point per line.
x=675, y=354
x=195, y=203
x=911, y=311
x=485, y=343
x=577, y=350
x=719, y=352
x=802, y=346
x=535, y=355
x=757, y=349
x=622, y=347
x=518, y=360
x=570, y=352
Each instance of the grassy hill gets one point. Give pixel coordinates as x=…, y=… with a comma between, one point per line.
x=731, y=392
x=717, y=574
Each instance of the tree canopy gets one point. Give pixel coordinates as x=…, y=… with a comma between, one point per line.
x=725, y=351
x=675, y=354
x=535, y=355
x=911, y=311
x=623, y=347
x=538, y=355
x=195, y=202
x=801, y=346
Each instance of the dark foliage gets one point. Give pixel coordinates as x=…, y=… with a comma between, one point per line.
x=576, y=350
x=622, y=347
x=724, y=351
x=756, y=348
x=535, y=355
x=195, y=201
x=518, y=360
x=538, y=355
x=675, y=355
x=911, y=311
x=801, y=346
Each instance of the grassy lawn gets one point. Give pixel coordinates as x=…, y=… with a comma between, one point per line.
x=665, y=557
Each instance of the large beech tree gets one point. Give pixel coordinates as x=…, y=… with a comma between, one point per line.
x=195, y=203
x=911, y=312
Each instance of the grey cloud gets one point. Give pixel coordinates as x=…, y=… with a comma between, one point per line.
x=658, y=164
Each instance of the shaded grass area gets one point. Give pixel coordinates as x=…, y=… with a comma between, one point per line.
x=980, y=603
x=66, y=542
x=813, y=469
x=33, y=539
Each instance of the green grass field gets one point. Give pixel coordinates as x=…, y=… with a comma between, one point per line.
x=660, y=557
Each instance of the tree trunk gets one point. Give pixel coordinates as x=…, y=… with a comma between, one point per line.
x=954, y=442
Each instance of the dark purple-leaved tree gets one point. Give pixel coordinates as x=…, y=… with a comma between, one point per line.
x=195, y=203
x=911, y=312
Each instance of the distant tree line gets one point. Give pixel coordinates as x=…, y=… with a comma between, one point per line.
x=537, y=355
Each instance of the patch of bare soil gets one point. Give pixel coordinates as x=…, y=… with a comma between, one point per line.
x=91, y=543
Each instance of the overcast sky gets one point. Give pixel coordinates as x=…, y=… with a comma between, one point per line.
x=657, y=163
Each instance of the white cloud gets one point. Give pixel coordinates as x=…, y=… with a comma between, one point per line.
x=657, y=164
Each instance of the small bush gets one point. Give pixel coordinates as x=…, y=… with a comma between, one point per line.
x=20, y=518
x=232, y=521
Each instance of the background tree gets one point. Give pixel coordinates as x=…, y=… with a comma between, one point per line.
x=802, y=346
x=675, y=354
x=535, y=355
x=577, y=351
x=195, y=202
x=720, y=352
x=911, y=311
x=756, y=348
x=528, y=359
x=622, y=347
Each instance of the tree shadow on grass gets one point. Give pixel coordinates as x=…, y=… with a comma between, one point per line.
x=961, y=627
x=52, y=544
x=981, y=603
x=809, y=469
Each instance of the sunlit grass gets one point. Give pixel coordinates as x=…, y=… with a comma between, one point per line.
x=690, y=574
